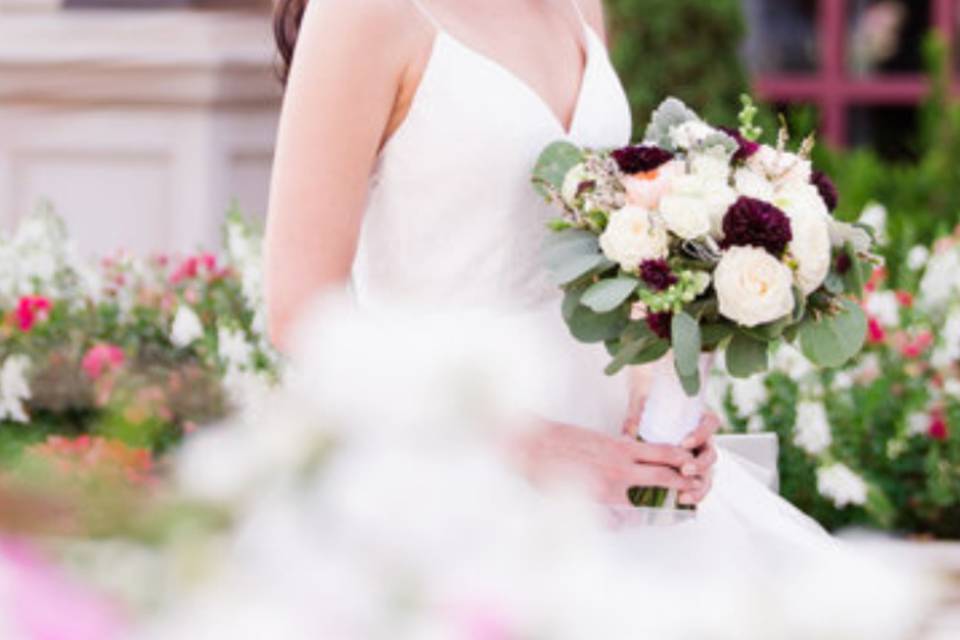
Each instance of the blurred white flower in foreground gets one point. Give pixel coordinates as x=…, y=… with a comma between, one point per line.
x=186, y=328
x=917, y=257
x=812, y=429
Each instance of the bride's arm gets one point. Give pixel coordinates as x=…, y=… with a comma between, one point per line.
x=351, y=58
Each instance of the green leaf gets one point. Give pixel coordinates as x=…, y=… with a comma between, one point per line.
x=853, y=279
x=589, y=326
x=608, y=294
x=746, y=356
x=571, y=254
x=832, y=340
x=712, y=335
x=685, y=336
x=554, y=164
x=691, y=384
x=578, y=267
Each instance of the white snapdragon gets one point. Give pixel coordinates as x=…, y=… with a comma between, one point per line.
x=14, y=388
x=632, y=236
x=838, y=483
x=883, y=306
x=812, y=428
x=186, y=328
x=753, y=287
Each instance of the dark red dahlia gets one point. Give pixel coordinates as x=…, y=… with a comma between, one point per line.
x=746, y=147
x=660, y=323
x=657, y=274
x=755, y=223
x=828, y=190
x=641, y=159
x=844, y=263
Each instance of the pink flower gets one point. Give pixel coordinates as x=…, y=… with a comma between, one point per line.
x=44, y=604
x=875, y=332
x=905, y=298
x=30, y=310
x=938, y=426
x=646, y=189
x=914, y=348
x=102, y=358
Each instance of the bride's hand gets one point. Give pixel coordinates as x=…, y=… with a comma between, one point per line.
x=611, y=465
x=699, y=444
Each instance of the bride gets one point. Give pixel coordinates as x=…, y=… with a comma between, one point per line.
x=408, y=134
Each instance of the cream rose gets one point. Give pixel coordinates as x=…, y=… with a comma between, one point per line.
x=632, y=236
x=696, y=206
x=811, y=249
x=753, y=185
x=753, y=287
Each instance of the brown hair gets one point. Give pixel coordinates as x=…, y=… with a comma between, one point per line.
x=287, y=16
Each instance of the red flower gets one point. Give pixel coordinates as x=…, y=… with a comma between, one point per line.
x=30, y=310
x=938, y=426
x=905, y=298
x=102, y=358
x=875, y=333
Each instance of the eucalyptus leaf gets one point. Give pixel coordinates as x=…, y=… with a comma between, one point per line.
x=626, y=353
x=578, y=267
x=746, y=356
x=671, y=113
x=560, y=246
x=554, y=164
x=691, y=383
x=833, y=339
x=589, y=326
x=712, y=335
x=608, y=294
x=853, y=279
x=685, y=336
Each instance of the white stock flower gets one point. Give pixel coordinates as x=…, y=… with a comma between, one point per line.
x=753, y=287
x=696, y=203
x=810, y=248
x=841, y=486
x=917, y=257
x=874, y=215
x=749, y=395
x=812, y=428
x=186, y=328
x=632, y=236
x=783, y=168
x=571, y=183
x=14, y=388
x=883, y=306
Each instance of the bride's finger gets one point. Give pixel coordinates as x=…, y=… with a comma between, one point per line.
x=696, y=496
x=659, y=454
x=703, y=462
x=631, y=424
x=709, y=424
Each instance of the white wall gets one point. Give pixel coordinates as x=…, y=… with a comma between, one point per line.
x=139, y=127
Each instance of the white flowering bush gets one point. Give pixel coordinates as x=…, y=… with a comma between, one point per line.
x=876, y=442
x=124, y=350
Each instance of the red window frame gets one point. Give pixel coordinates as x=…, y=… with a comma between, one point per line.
x=833, y=90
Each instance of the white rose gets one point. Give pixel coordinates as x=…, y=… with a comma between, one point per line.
x=632, y=236
x=753, y=287
x=186, y=327
x=576, y=176
x=695, y=206
x=781, y=167
x=753, y=185
x=712, y=165
x=801, y=200
x=810, y=247
x=690, y=134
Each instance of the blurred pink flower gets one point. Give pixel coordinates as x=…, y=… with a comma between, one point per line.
x=44, y=605
x=32, y=309
x=938, y=425
x=102, y=358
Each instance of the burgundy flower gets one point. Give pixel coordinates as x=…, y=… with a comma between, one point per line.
x=755, y=223
x=660, y=323
x=657, y=274
x=828, y=191
x=843, y=263
x=641, y=159
x=746, y=147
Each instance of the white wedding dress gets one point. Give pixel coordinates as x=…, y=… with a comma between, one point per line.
x=452, y=220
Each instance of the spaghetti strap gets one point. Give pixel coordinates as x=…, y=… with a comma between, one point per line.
x=576, y=7
x=426, y=14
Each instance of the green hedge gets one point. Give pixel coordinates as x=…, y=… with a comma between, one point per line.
x=684, y=48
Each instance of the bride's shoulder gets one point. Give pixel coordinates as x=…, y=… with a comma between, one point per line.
x=379, y=24
x=593, y=13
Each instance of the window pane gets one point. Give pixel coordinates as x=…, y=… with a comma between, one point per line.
x=886, y=36
x=782, y=35
x=891, y=130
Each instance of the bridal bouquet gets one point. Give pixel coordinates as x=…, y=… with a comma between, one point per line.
x=702, y=239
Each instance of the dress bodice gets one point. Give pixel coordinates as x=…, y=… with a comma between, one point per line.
x=452, y=217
